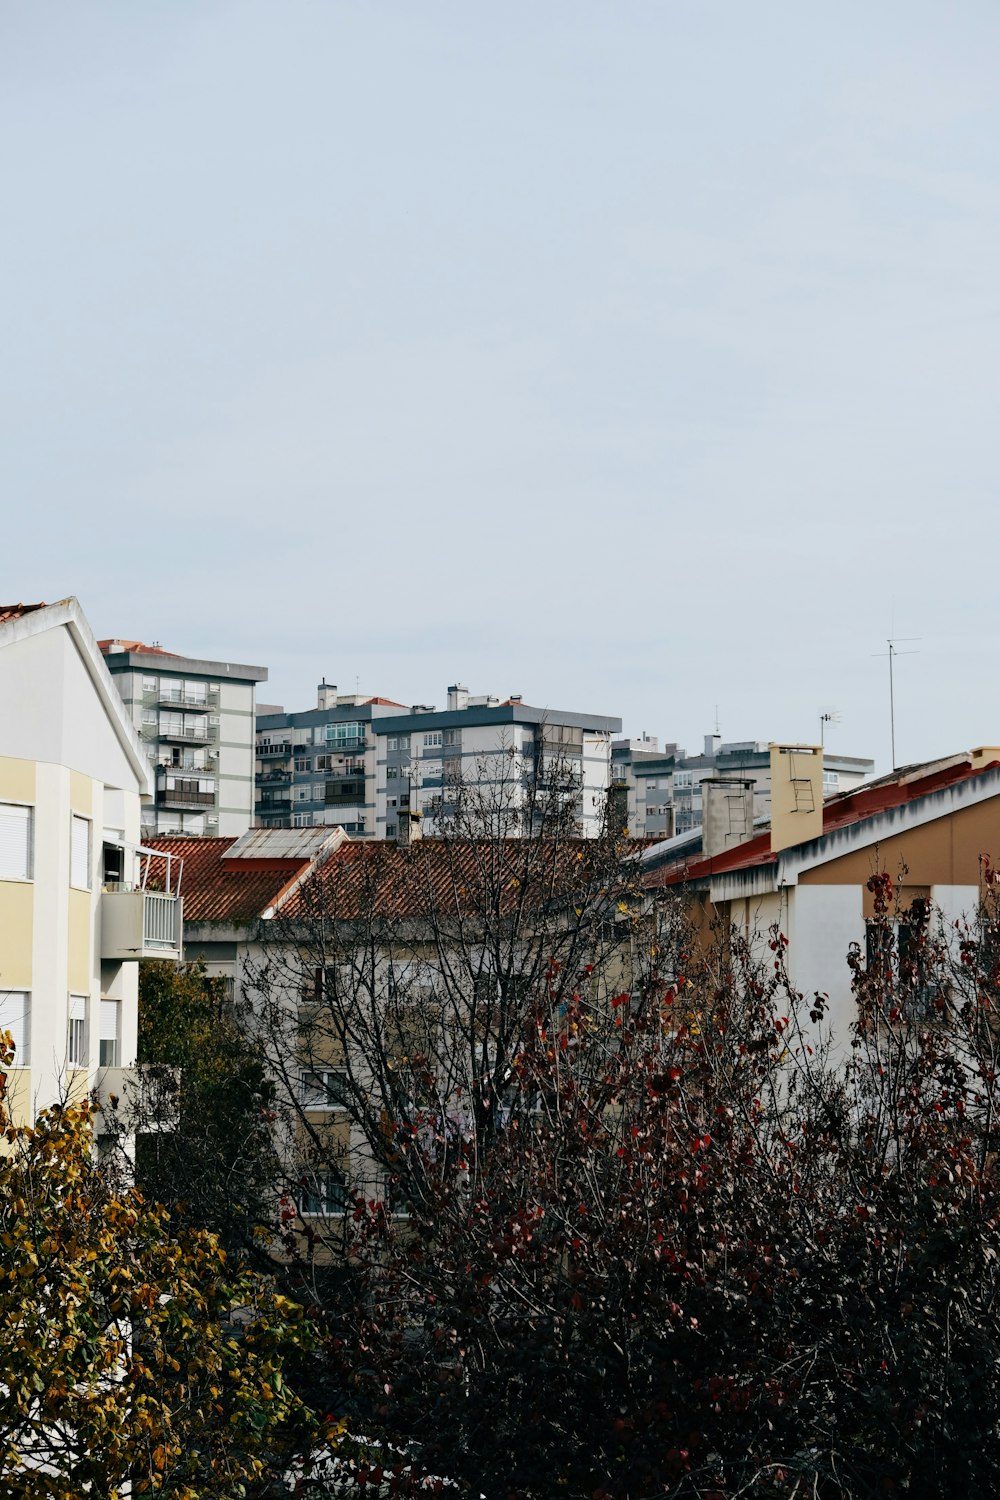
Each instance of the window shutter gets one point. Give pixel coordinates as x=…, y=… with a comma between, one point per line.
x=79, y=868
x=110, y=1012
x=15, y=842
x=15, y=1013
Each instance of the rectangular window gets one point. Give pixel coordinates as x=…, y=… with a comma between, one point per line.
x=15, y=1017
x=392, y=773
x=326, y=1089
x=110, y=1039
x=15, y=841
x=79, y=853
x=324, y=1194
x=149, y=684
x=76, y=1032
x=432, y=739
x=303, y=765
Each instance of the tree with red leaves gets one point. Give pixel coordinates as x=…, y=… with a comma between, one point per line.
x=694, y=1253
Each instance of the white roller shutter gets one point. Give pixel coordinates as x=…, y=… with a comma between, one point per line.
x=15, y=842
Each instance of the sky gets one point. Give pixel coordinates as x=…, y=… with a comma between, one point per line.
x=637, y=358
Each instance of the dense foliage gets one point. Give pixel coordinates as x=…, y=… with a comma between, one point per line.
x=134, y=1358
x=700, y=1253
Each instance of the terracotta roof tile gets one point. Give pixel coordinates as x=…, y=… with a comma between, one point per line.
x=109, y=645
x=15, y=611
x=448, y=876
x=217, y=890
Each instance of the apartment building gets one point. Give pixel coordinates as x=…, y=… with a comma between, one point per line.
x=196, y=719
x=663, y=787
x=317, y=768
x=369, y=764
x=75, y=913
x=480, y=742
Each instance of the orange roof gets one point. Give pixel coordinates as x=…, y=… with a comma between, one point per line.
x=447, y=876
x=107, y=646
x=387, y=702
x=856, y=806
x=15, y=611
x=217, y=890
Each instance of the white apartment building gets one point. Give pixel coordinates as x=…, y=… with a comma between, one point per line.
x=196, y=719
x=74, y=914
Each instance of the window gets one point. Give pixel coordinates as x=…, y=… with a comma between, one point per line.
x=392, y=773
x=15, y=1017
x=149, y=716
x=15, y=842
x=325, y=1193
x=76, y=1032
x=325, y=1089
x=303, y=765
x=149, y=684
x=79, y=853
x=110, y=1039
x=301, y=820
x=303, y=794
x=432, y=739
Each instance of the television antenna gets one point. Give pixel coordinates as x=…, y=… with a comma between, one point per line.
x=892, y=653
x=827, y=716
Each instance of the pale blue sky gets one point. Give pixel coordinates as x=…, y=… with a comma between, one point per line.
x=637, y=358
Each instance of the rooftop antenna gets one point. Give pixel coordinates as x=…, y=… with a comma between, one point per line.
x=717, y=719
x=827, y=716
x=892, y=653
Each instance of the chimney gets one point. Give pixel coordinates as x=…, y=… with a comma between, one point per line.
x=796, y=795
x=409, y=826
x=458, y=696
x=712, y=743
x=326, y=695
x=984, y=755
x=726, y=814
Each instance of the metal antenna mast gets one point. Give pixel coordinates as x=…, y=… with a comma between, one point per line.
x=892, y=654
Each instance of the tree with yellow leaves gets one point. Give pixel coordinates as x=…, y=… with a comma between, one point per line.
x=133, y=1360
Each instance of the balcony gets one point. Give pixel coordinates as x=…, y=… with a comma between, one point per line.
x=140, y=924
x=190, y=734
x=274, y=752
x=267, y=778
x=178, y=797
x=176, y=698
x=274, y=806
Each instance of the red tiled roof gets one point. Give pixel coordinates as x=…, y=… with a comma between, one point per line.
x=106, y=646
x=15, y=611
x=842, y=811
x=219, y=890
x=450, y=877
x=386, y=702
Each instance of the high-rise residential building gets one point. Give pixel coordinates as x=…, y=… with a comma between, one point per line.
x=663, y=787
x=369, y=764
x=196, y=720
x=317, y=767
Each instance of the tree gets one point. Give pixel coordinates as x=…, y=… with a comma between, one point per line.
x=656, y=1239
x=135, y=1359
x=205, y=1144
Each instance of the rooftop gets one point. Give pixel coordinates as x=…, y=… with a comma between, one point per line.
x=15, y=611
x=907, y=784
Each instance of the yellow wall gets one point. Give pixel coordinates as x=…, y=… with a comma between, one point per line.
x=17, y=780
x=78, y=964
x=17, y=902
x=943, y=852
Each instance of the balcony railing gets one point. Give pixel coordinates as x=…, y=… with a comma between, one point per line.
x=198, y=734
x=175, y=697
x=265, y=752
x=167, y=796
x=140, y=924
x=266, y=777
x=275, y=805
